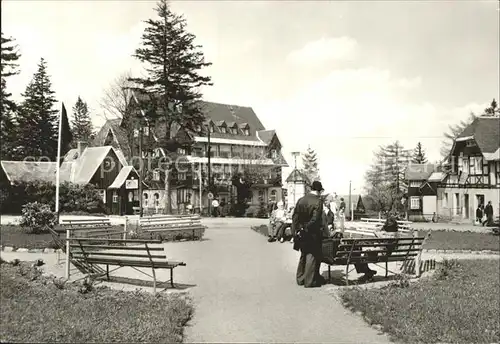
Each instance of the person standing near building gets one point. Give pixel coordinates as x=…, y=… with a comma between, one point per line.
x=342, y=214
x=488, y=211
x=307, y=227
x=479, y=214
x=215, y=207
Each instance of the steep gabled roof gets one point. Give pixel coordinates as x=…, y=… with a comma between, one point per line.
x=419, y=171
x=297, y=176
x=266, y=135
x=31, y=171
x=486, y=132
x=89, y=162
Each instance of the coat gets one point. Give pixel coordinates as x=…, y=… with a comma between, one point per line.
x=307, y=222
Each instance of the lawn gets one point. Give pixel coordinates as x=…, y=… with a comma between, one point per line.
x=15, y=236
x=36, y=309
x=446, y=240
x=459, y=304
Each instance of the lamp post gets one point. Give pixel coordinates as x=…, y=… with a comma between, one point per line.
x=209, y=170
x=295, y=155
x=350, y=201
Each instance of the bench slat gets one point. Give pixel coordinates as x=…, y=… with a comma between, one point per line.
x=109, y=247
x=402, y=250
x=135, y=263
x=132, y=241
x=172, y=229
x=94, y=254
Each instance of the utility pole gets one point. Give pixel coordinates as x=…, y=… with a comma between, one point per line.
x=295, y=154
x=201, y=188
x=209, y=170
x=141, y=167
x=350, y=201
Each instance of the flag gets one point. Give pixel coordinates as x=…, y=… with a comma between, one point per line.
x=65, y=132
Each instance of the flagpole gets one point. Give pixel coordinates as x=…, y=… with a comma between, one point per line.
x=58, y=163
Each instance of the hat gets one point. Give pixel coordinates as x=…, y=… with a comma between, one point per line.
x=317, y=186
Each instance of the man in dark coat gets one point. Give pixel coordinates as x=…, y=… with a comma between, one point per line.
x=488, y=211
x=307, y=223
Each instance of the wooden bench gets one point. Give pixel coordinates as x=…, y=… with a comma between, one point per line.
x=349, y=251
x=404, y=225
x=91, y=228
x=143, y=254
x=166, y=224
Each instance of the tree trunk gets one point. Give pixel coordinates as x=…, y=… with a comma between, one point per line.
x=168, y=206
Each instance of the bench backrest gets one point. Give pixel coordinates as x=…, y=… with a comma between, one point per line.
x=91, y=228
x=169, y=220
x=116, y=249
x=386, y=249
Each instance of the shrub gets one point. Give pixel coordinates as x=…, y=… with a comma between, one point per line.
x=37, y=218
x=73, y=197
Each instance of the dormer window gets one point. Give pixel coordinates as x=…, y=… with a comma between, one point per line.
x=223, y=130
x=245, y=128
x=136, y=132
x=274, y=154
x=156, y=175
x=470, y=143
x=211, y=127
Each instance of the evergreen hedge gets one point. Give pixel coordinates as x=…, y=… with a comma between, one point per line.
x=72, y=197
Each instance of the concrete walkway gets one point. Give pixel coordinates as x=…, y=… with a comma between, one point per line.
x=244, y=290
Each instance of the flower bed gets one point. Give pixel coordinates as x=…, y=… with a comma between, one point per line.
x=36, y=308
x=459, y=304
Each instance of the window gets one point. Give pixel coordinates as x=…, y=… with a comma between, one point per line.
x=415, y=183
x=470, y=143
x=273, y=195
x=486, y=169
x=156, y=175
x=414, y=202
x=274, y=154
x=476, y=165
x=182, y=196
x=181, y=151
x=234, y=131
x=145, y=200
x=223, y=129
x=145, y=131
x=115, y=197
x=225, y=151
x=182, y=176
x=211, y=127
x=237, y=151
x=157, y=199
x=198, y=128
x=103, y=195
x=445, y=200
x=136, y=132
x=246, y=131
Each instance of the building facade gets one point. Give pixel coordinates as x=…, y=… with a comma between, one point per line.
x=232, y=139
x=472, y=179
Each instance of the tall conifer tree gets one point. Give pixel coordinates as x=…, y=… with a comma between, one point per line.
x=9, y=67
x=37, y=119
x=173, y=83
x=81, y=123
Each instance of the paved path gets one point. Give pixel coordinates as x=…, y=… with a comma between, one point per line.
x=244, y=290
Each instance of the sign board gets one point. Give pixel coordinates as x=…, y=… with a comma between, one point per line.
x=210, y=195
x=132, y=184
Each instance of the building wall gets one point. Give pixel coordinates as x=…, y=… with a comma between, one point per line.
x=452, y=207
x=297, y=189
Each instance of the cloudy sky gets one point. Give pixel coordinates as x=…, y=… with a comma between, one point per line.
x=342, y=77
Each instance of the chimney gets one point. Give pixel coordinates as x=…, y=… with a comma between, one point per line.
x=81, y=145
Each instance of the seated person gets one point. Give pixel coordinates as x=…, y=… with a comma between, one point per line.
x=363, y=268
x=277, y=223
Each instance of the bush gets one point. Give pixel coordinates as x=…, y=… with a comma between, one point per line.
x=37, y=218
x=73, y=197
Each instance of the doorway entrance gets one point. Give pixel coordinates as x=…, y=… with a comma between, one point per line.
x=479, y=201
x=466, y=206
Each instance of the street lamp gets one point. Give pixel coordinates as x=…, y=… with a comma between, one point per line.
x=295, y=155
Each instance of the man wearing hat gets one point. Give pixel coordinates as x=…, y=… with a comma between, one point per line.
x=307, y=226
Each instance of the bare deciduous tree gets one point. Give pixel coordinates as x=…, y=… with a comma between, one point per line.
x=115, y=99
